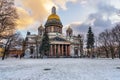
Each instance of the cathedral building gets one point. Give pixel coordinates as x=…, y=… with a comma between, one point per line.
x=60, y=45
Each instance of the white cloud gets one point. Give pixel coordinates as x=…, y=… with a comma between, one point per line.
x=31, y=11
x=38, y=10
x=62, y=3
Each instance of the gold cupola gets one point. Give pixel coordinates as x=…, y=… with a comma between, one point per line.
x=53, y=19
x=53, y=15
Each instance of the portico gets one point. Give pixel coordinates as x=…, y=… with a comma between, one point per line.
x=59, y=50
x=59, y=47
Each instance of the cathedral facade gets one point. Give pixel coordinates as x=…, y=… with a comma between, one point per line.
x=60, y=45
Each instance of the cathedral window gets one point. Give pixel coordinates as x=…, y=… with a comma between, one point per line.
x=48, y=29
x=55, y=29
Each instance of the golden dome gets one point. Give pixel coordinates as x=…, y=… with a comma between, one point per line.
x=53, y=19
x=53, y=16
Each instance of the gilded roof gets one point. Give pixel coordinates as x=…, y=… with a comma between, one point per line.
x=53, y=19
x=53, y=16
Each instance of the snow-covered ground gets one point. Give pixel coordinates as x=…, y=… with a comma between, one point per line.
x=61, y=69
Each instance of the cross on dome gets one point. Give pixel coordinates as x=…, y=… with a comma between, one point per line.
x=53, y=10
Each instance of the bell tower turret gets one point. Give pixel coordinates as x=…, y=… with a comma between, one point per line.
x=69, y=32
x=41, y=30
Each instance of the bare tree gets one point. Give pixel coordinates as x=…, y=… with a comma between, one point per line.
x=111, y=45
x=116, y=33
x=103, y=42
x=10, y=42
x=108, y=43
x=8, y=15
x=97, y=47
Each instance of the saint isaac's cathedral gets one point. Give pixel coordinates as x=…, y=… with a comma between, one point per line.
x=60, y=45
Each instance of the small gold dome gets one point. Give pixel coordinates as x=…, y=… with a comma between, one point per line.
x=53, y=19
x=53, y=16
x=69, y=29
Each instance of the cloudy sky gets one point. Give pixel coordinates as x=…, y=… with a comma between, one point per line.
x=79, y=14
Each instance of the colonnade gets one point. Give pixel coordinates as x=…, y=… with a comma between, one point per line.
x=59, y=50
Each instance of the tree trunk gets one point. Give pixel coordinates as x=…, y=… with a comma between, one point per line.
x=88, y=53
x=41, y=55
x=3, y=57
x=107, y=54
x=112, y=52
x=4, y=54
x=119, y=50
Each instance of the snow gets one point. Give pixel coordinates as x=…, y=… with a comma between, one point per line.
x=60, y=69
